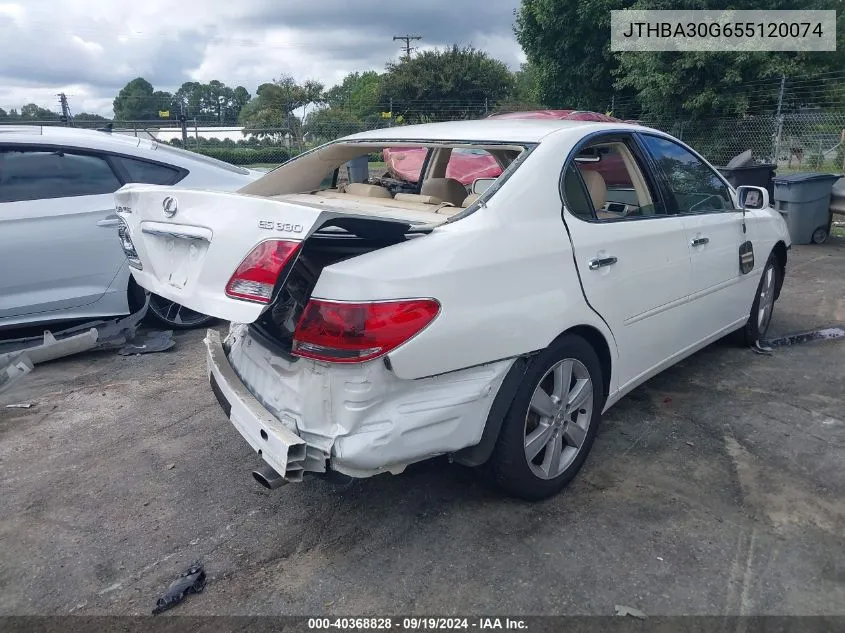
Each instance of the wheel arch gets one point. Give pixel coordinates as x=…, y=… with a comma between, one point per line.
x=481, y=452
x=779, y=251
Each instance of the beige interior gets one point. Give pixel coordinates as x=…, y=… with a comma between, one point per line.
x=367, y=191
x=470, y=199
x=596, y=186
x=446, y=189
x=417, y=197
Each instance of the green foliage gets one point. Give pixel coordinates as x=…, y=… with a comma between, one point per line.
x=707, y=84
x=33, y=112
x=358, y=94
x=275, y=104
x=330, y=123
x=247, y=155
x=214, y=101
x=137, y=101
x=568, y=45
x=446, y=84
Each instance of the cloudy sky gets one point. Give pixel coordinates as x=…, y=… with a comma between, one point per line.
x=90, y=49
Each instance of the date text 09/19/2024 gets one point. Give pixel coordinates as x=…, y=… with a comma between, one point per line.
x=416, y=623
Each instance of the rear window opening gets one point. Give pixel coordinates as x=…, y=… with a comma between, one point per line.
x=441, y=178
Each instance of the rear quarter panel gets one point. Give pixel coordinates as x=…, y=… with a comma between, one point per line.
x=504, y=276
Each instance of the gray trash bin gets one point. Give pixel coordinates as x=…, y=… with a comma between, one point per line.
x=804, y=202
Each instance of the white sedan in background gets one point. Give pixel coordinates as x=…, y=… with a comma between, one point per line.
x=60, y=255
x=380, y=323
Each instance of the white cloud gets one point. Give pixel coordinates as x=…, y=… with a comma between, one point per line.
x=90, y=50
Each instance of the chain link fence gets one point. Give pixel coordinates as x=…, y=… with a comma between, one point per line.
x=800, y=141
x=797, y=124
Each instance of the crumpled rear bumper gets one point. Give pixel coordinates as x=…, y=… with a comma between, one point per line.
x=360, y=420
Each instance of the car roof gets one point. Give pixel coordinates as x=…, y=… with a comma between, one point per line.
x=501, y=130
x=67, y=135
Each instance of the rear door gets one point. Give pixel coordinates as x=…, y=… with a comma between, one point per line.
x=58, y=248
x=713, y=229
x=631, y=253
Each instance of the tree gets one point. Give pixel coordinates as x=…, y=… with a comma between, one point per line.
x=358, y=94
x=86, y=116
x=330, y=123
x=568, y=46
x=707, y=84
x=137, y=101
x=446, y=84
x=34, y=112
x=272, y=110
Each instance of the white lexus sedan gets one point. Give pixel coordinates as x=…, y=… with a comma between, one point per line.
x=60, y=255
x=379, y=323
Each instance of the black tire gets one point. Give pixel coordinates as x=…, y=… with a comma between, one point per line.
x=173, y=316
x=753, y=332
x=820, y=235
x=509, y=465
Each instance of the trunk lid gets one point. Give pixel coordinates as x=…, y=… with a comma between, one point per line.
x=187, y=243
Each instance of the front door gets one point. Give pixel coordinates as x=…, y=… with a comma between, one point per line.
x=631, y=253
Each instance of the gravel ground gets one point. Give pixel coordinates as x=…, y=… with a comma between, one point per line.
x=715, y=488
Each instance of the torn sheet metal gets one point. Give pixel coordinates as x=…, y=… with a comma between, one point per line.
x=362, y=417
x=13, y=369
x=98, y=334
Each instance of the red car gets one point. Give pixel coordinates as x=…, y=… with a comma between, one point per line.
x=468, y=165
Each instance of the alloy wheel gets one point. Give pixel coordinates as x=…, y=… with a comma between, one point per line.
x=558, y=418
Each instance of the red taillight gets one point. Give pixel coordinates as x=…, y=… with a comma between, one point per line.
x=257, y=275
x=355, y=332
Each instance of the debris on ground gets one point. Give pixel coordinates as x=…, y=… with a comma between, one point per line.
x=13, y=368
x=623, y=611
x=759, y=348
x=21, y=405
x=19, y=356
x=153, y=342
x=192, y=580
x=821, y=334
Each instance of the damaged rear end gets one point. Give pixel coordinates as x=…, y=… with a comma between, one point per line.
x=307, y=381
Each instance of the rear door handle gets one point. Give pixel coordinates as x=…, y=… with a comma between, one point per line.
x=109, y=220
x=700, y=241
x=601, y=262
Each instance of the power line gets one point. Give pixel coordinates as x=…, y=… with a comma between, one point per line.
x=407, y=39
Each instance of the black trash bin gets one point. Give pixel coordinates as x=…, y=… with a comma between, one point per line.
x=751, y=175
x=804, y=201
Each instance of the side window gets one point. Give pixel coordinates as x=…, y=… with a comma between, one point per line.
x=148, y=173
x=576, y=197
x=34, y=175
x=695, y=187
x=468, y=165
x=606, y=182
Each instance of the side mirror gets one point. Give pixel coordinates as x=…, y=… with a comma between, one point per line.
x=752, y=198
x=480, y=185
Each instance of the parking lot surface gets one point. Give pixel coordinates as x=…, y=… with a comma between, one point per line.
x=718, y=487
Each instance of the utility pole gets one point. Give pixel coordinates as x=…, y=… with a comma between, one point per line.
x=407, y=39
x=183, y=121
x=66, y=116
x=778, y=123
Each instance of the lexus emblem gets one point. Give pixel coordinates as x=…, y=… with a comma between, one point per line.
x=170, y=206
